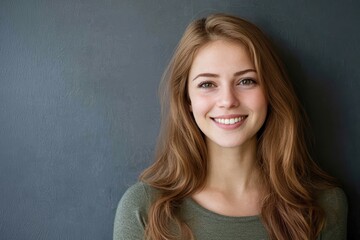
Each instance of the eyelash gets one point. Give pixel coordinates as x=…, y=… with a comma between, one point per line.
x=242, y=82
x=249, y=80
x=202, y=84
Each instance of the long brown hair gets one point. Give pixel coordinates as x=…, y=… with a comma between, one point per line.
x=289, y=210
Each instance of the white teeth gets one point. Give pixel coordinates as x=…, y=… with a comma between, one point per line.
x=229, y=121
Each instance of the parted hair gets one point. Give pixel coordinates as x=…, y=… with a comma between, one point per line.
x=289, y=209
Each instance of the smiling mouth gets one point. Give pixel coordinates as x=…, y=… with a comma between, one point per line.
x=229, y=121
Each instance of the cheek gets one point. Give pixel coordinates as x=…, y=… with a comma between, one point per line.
x=258, y=100
x=200, y=106
x=261, y=105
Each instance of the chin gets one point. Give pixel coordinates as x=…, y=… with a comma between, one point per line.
x=232, y=143
x=227, y=144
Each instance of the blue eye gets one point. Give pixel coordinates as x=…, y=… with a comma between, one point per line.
x=206, y=85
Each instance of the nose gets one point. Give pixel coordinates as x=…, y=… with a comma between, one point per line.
x=228, y=98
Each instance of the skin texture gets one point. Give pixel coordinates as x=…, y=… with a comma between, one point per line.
x=224, y=88
x=216, y=93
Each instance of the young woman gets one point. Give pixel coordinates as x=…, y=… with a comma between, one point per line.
x=232, y=160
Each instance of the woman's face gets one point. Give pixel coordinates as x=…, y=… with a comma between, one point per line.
x=227, y=100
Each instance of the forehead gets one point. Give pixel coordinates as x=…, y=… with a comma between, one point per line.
x=221, y=55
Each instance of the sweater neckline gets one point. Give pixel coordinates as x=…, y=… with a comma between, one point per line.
x=193, y=205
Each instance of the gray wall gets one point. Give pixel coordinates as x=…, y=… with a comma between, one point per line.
x=79, y=113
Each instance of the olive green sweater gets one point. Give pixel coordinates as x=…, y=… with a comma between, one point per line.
x=131, y=218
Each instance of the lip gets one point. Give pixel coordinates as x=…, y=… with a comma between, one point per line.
x=231, y=116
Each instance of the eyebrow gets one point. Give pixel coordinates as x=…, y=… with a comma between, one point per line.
x=216, y=75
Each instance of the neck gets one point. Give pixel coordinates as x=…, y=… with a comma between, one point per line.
x=232, y=169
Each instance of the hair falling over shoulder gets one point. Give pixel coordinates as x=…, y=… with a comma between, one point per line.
x=289, y=209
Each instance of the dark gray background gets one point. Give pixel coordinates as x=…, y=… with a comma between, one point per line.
x=79, y=112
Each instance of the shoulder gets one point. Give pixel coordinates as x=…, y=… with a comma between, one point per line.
x=334, y=193
x=333, y=200
x=138, y=194
x=137, y=198
x=334, y=203
x=132, y=210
